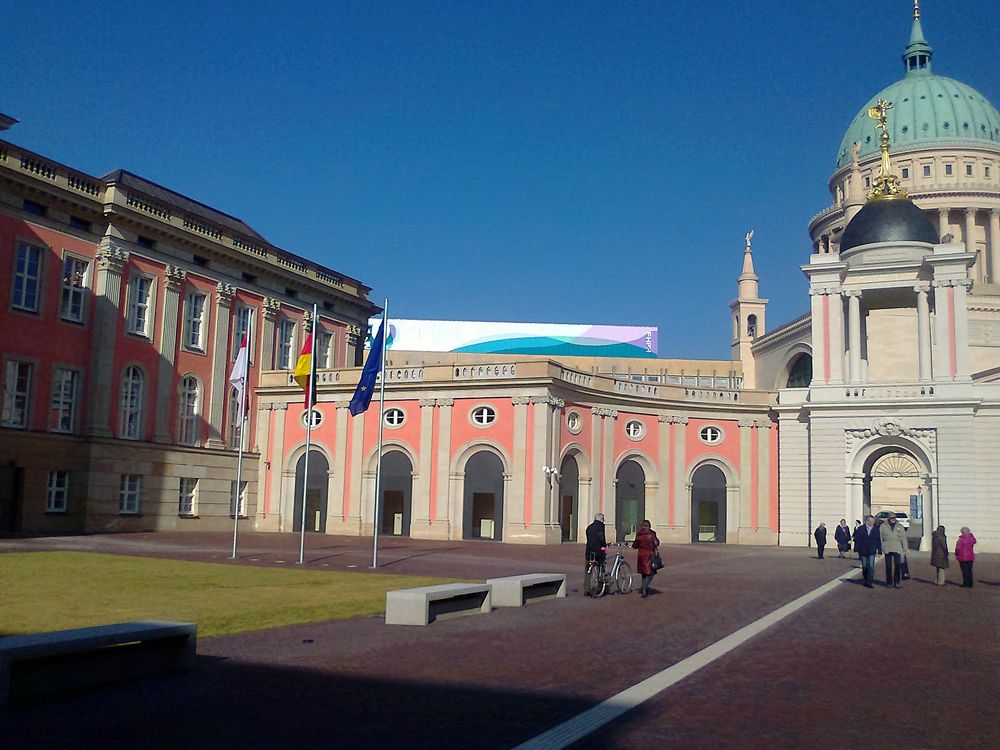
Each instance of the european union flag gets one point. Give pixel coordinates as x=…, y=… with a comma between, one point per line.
x=366, y=386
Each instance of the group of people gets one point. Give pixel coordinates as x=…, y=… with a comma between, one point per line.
x=889, y=540
x=645, y=541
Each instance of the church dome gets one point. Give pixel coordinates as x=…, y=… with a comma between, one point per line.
x=928, y=110
x=888, y=221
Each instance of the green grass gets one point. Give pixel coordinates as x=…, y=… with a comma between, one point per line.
x=42, y=591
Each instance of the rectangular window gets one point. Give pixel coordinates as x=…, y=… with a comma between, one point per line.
x=286, y=334
x=58, y=498
x=927, y=170
x=65, y=389
x=16, y=393
x=146, y=242
x=27, y=277
x=906, y=173
x=139, y=289
x=194, y=321
x=187, y=500
x=77, y=223
x=242, y=499
x=74, y=288
x=241, y=327
x=129, y=494
x=323, y=341
x=34, y=207
x=947, y=169
x=986, y=172
x=968, y=170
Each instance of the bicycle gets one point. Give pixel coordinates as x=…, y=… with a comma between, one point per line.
x=620, y=572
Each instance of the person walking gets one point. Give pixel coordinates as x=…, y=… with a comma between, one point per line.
x=894, y=548
x=820, y=535
x=939, y=554
x=646, y=542
x=842, y=535
x=867, y=543
x=857, y=525
x=597, y=550
x=965, y=555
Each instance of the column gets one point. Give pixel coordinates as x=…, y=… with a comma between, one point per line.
x=596, y=497
x=173, y=278
x=941, y=351
x=929, y=521
x=970, y=243
x=339, y=467
x=420, y=506
x=275, y=498
x=220, y=347
x=683, y=518
x=355, y=346
x=741, y=521
x=994, y=271
x=109, y=262
x=554, y=532
x=442, y=511
x=836, y=333
x=962, y=330
x=541, y=487
x=942, y=222
x=855, y=498
x=820, y=347
x=854, y=334
x=663, y=509
x=608, y=417
x=923, y=333
x=269, y=313
x=764, y=475
x=262, y=441
x=516, y=501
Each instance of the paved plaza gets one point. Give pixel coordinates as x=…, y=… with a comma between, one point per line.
x=883, y=668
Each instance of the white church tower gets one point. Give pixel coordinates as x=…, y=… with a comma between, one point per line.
x=748, y=316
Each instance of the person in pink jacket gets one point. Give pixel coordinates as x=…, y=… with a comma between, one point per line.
x=965, y=555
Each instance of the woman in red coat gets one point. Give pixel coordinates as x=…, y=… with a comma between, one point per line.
x=646, y=542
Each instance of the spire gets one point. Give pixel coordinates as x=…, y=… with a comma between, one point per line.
x=917, y=56
x=748, y=287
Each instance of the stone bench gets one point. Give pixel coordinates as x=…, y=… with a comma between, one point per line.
x=516, y=591
x=43, y=663
x=424, y=605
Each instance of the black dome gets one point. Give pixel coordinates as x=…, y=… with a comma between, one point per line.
x=888, y=221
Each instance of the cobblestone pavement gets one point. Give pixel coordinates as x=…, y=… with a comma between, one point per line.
x=884, y=668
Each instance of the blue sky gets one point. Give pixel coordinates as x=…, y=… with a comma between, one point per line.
x=586, y=162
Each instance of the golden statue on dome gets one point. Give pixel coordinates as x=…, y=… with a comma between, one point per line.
x=886, y=185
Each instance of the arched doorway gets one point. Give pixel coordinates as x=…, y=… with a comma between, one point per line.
x=569, y=498
x=708, y=505
x=800, y=371
x=483, y=502
x=893, y=482
x=397, y=493
x=630, y=499
x=316, y=491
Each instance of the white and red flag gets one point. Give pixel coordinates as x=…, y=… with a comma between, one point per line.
x=238, y=377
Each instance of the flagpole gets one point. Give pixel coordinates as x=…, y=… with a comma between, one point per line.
x=381, y=419
x=243, y=416
x=310, y=390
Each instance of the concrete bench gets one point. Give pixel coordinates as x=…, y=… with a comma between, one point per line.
x=516, y=591
x=43, y=663
x=424, y=605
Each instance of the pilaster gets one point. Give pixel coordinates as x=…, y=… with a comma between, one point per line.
x=923, y=332
x=269, y=314
x=224, y=294
x=994, y=269
x=516, y=502
x=166, y=378
x=443, y=512
x=109, y=263
x=421, y=496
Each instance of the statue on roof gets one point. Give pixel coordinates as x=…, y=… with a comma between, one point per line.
x=749, y=239
x=886, y=185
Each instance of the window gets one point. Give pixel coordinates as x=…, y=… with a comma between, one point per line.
x=574, y=423
x=74, y=287
x=194, y=321
x=868, y=181
x=147, y=242
x=187, y=498
x=906, y=173
x=233, y=436
x=986, y=172
x=27, y=277
x=16, y=393
x=139, y=292
x=313, y=418
x=241, y=328
x=394, y=417
x=34, y=207
x=286, y=333
x=483, y=416
x=927, y=170
x=948, y=169
x=200, y=260
x=323, y=341
x=249, y=278
x=711, y=435
x=291, y=292
x=241, y=498
x=968, y=170
x=634, y=429
x=65, y=391
x=130, y=405
x=77, y=223
x=129, y=493
x=187, y=428
x=752, y=326
x=58, y=498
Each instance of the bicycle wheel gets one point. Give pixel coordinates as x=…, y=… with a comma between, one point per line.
x=598, y=583
x=624, y=578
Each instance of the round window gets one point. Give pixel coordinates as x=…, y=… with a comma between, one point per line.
x=484, y=416
x=635, y=429
x=711, y=435
x=574, y=422
x=394, y=417
x=313, y=417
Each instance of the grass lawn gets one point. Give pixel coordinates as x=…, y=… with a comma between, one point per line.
x=58, y=590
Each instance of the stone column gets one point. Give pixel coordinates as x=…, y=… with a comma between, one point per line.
x=739, y=524
x=923, y=333
x=541, y=486
x=109, y=262
x=662, y=514
x=821, y=364
x=682, y=516
x=855, y=498
x=173, y=278
x=943, y=225
x=515, y=502
x=763, y=475
x=608, y=417
x=219, y=392
x=275, y=499
x=942, y=332
x=596, y=497
x=269, y=313
x=836, y=336
x=929, y=521
x=970, y=243
x=854, y=334
x=994, y=272
x=420, y=506
x=339, y=467
x=961, y=330
x=442, y=510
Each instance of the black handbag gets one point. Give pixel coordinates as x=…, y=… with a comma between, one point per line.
x=657, y=562
x=904, y=569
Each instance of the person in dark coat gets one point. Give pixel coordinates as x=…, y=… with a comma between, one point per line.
x=843, y=536
x=820, y=535
x=939, y=554
x=868, y=544
x=646, y=542
x=597, y=549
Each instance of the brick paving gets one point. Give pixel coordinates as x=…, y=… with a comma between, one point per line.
x=492, y=681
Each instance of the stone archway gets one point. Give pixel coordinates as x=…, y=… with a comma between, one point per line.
x=630, y=499
x=569, y=498
x=397, y=493
x=482, y=507
x=709, y=500
x=315, y=489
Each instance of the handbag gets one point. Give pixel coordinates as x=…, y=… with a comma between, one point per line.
x=657, y=562
x=904, y=569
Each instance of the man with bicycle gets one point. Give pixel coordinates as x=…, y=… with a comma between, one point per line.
x=596, y=552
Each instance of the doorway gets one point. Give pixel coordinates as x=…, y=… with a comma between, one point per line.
x=708, y=505
x=483, y=502
x=397, y=493
x=316, y=492
x=630, y=499
x=569, y=499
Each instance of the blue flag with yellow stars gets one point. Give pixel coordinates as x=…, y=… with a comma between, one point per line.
x=366, y=386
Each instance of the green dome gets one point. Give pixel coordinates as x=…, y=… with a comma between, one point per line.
x=928, y=109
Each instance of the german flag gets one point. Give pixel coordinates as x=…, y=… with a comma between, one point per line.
x=305, y=371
